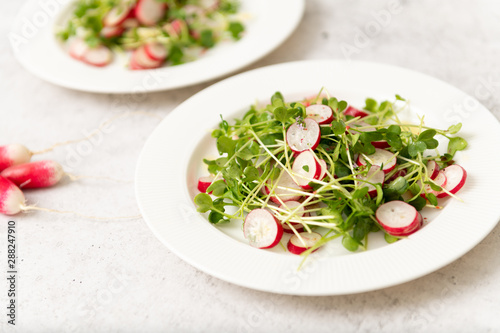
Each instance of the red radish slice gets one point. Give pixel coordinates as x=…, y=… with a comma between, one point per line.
x=204, y=183
x=149, y=12
x=296, y=246
x=377, y=144
x=440, y=180
x=281, y=190
x=456, y=177
x=399, y=173
x=303, y=136
x=13, y=154
x=35, y=174
x=380, y=157
x=130, y=23
x=306, y=168
x=156, y=51
x=375, y=176
x=109, y=32
x=324, y=167
x=380, y=144
x=352, y=111
x=323, y=114
x=432, y=169
x=99, y=56
x=11, y=197
x=141, y=59
x=298, y=227
x=117, y=15
x=397, y=218
x=134, y=66
x=77, y=48
x=292, y=205
x=262, y=229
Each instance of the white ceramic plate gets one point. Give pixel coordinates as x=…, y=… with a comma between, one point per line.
x=170, y=164
x=35, y=46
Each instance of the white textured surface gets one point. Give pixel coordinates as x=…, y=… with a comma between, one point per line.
x=79, y=275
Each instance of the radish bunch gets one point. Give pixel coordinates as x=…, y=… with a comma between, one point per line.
x=307, y=172
x=154, y=31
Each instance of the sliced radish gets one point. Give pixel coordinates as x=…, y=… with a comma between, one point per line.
x=296, y=246
x=156, y=51
x=77, y=48
x=133, y=64
x=35, y=174
x=398, y=218
x=99, y=56
x=204, y=183
x=281, y=191
x=456, y=177
x=324, y=168
x=140, y=58
x=130, y=23
x=110, y=32
x=298, y=227
x=303, y=136
x=432, y=169
x=440, y=181
x=399, y=173
x=292, y=205
x=380, y=144
x=381, y=157
x=306, y=167
x=375, y=176
x=11, y=197
x=117, y=15
x=323, y=114
x=352, y=111
x=149, y=12
x=262, y=229
x=377, y=144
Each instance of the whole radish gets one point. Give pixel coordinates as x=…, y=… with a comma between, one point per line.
x=11, y=198
x=34, y=174
x=13, y=154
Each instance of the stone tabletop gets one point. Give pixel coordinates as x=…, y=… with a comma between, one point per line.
x=82, y=275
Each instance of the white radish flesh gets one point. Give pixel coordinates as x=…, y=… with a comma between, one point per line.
x=141, y=58
x=432, y=169
x=352, y=111
x=381, y=157
x=303, y=136
x=306, y=168
x=440, y=181
x=11, y=198
x=13, y=154
x=296, y=246
x=156, y=51
x=262, y=229
x=297, y=226
x=130, y=23
x=117, y=15
x=110, y=32
x=35, y=174
x=455, y=179
x=99, y=56
x=397, y=217
x=281, y=190
x=323, y=114
x=324, y=168
x=291, y=206
x=375, y=176
x=149, y=12
x=204, y=183
x=77, y=48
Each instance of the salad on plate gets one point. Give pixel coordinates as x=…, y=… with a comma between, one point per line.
x=320, y=169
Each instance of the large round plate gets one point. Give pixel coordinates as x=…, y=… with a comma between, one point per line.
x=171, y=161
x=269, y=23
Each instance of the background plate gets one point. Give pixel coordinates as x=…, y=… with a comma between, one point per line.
x=38, y=50
x=170, y=163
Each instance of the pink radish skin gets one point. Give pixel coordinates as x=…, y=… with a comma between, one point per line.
x=99, y=56
x=399, y=173
x=432, y=169
x=375, y=176
x=204, y=183
x=156, y=51
x=149, y=12
x=141, y=58
x=295, y=245
x=352, y=111
x=301, y=137
x=13, y=154
x=77, y=48
x=306, y=159
x=323, y=114
x=380, y=157
x=110, y=32
x=440, y=180
x=382, y=144
x=456, y=177
x=262, y=229
x=11, y=198
x=298, y=227
x=35, y=174
x=117, y=15
x=397, y=218
x=286, y=182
